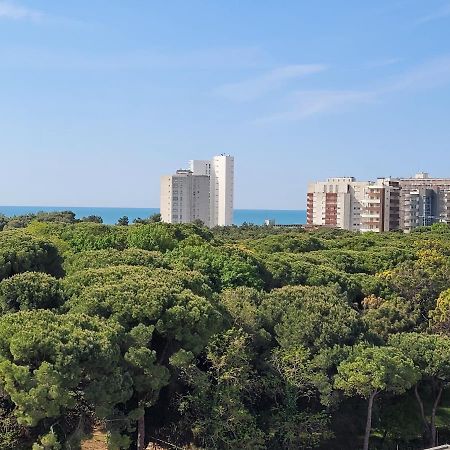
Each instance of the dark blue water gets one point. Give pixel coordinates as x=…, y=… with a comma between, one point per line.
x=110, y=215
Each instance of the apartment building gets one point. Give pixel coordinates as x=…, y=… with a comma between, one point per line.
x=184, y=197
x=221, y=172
x=424, y=200
x=205, y=191
x=337, y=202
x=381, y=206
x=385, y=205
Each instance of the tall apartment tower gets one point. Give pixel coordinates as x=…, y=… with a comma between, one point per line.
x=185, y=197
x=221, y=172
x=222, y=190
x=205, y=191
x=337, y=202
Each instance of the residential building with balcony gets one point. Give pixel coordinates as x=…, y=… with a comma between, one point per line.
x=424, y=200
x=388, y=204
x=221, y=172
x=336, y=202
x=381, y=206
x=184, y=197
x=205, y=191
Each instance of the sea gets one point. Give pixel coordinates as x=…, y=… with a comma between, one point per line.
x=111, y=215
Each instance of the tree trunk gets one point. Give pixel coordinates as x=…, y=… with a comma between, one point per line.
x=433, y=417
x=141, y=433
x=369, y=420
x=427, y=434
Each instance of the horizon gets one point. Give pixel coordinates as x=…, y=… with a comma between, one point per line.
x=125, y=207
x=110, y=215
x=100, y=99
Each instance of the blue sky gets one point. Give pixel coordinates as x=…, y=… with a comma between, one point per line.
x=98, y=98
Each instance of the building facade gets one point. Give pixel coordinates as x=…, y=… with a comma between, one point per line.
x=184, y=198
x=337, y=202
x=424, y=200
x=205, y=191
x=381, y=206
x=200, y=167
x=222, y=190
x=221, y=172
x=388, y=204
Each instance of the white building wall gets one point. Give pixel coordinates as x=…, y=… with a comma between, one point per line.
x=200, y=198
x=205, y=192
x=319, y=208
x=387, y=208
x=350, y=196
x=184, y=198
x=200, y=167
x=165, y=203
x=222, y=190
x=357, y=189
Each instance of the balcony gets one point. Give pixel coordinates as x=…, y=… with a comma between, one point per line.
x=372, y=209
x=371, y=225
x=370, y=214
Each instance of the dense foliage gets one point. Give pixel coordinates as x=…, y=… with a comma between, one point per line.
x=233, y=338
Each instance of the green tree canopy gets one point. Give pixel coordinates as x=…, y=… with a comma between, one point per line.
x=123, y=221
x=161, y=316
x=92, y=218
x=314, y=317
x=385, y=317
x=20, y=252
x=369, y=371
x=225, y=267
x=30, y=290
x=216, y=409
x=46, y=359
x=154, y=236
x=431, y=354
x=96, y=259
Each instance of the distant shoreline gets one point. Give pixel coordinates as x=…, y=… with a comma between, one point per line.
x=110, y=215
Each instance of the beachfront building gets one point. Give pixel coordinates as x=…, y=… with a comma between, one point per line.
x=381, y=206
x=388, y=204
x=336, y=202
x=205, y=191
x=221, y=172
x=424, y=200
x=222, y=190
x=184, y=197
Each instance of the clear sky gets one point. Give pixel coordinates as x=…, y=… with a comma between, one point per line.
x=98, y=98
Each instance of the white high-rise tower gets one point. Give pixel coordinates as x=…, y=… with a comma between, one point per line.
x=222, y=190
x=205, y=191
x=221, y=172
x=185, y=198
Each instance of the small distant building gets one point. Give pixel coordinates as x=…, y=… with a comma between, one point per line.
x=269, y=222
